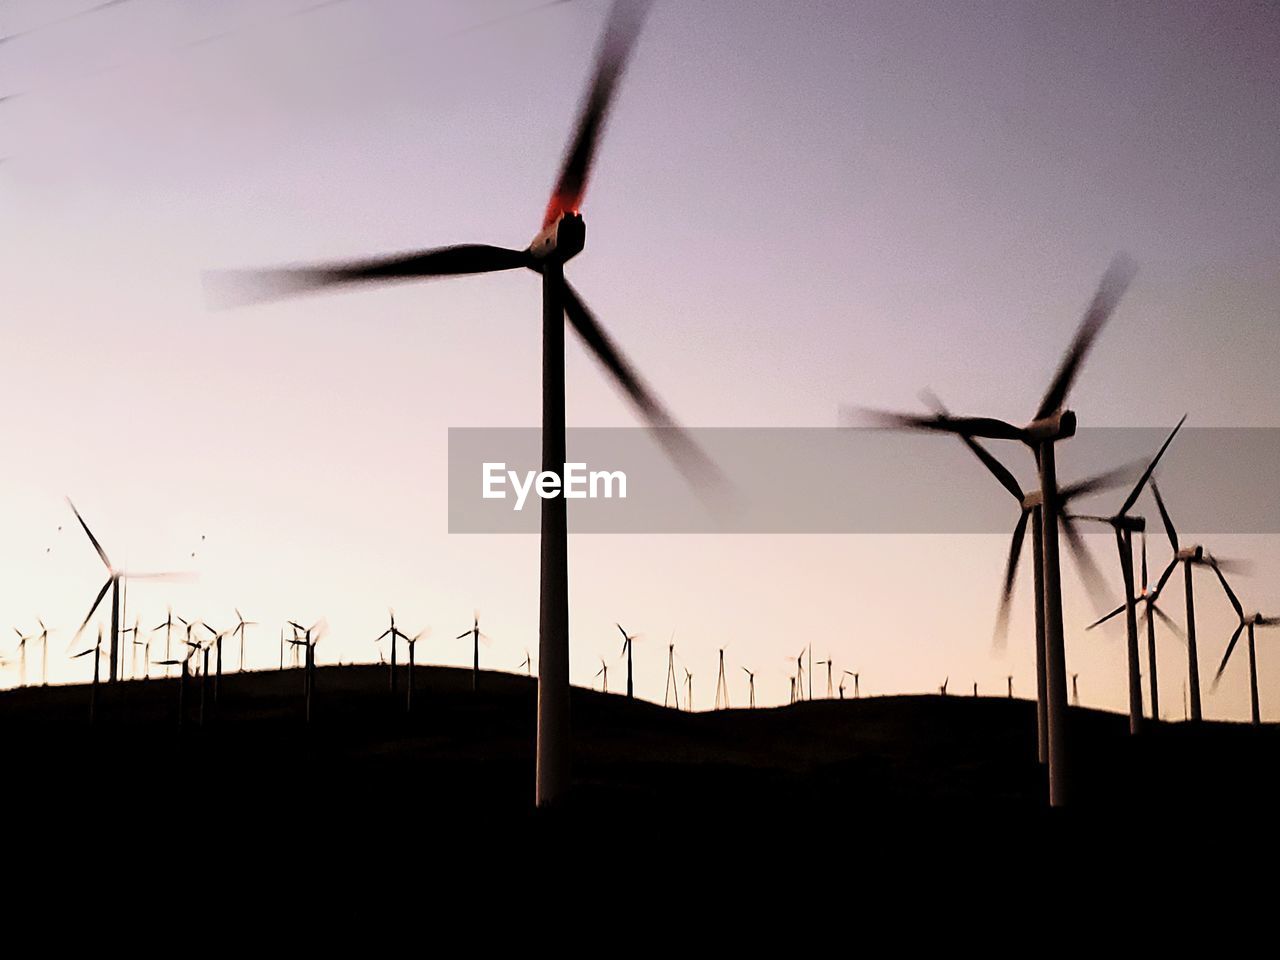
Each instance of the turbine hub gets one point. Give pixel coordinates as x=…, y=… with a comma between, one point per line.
x=562, y=240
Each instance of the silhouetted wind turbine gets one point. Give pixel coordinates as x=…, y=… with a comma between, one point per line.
x=943, y=689
x=476, y=636
x=751, y=688
x=114, y=577
x=185, y=665
x=722, y=686
x=603, y=675
x=1009, y=680
x=527, y=666
x=96, y=650
x=217, y=644
x=393, y=634
x=22, y=657
x=672, y=686
x=800, y=675
x=1150, y=610
x=829, y=664
x=1124, y=526
x=1029, y=505
x=1189, y=557
x=43, y=638
x=1050, y=424
x=168, y=634
x=241, y=625
x=413, y=643
x=1246, y=623
x=627, y=640
x=847, y=673
x=688, y=697
x=308, y=644
x=136, y=630
x=1075, y=690
x=562, y=237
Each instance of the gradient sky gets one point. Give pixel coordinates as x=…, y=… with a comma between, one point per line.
x=796, y=206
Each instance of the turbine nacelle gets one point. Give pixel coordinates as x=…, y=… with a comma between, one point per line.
x=562, y=240
x=1194, y=554
x=1056, y=426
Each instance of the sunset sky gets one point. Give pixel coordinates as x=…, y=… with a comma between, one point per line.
x=796, y=206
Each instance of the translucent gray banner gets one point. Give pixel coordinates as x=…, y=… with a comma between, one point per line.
x=849, y=480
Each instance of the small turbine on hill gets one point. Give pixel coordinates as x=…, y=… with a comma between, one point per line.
x=751, y=688
x=241, y=626
x=672, y=687
x=603, y=675
x=476, y=636
x=722, y=686
x=627, y=640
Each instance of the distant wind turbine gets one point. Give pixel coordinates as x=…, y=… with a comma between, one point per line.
x=722, y=686
x=751, y=688
x=603, y=675
x=1248, y=622
x=476, y=636
x=241, y=626
x=627, y=640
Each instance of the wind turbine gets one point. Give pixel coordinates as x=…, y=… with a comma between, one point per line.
x=722, y=686
x=114, y=577
x=751, y=688
x=672, y=686
x=943, y=689
x=562, y=237
x=688, y=696
x=1009, y=679
x=22, y=657
x=848, y=673
x=185, y=665
x=476, y=636
x=413, y=643
x=603, y=674
x=1150, y=610
x=527, y=665
x=627, y=640
x=308, y=644
x=1189, y=557
x=1246, y=622
x=800, y=676
x=829, y=664
x=241, y=625
x=1124, y=526
x=217, y=643
x=1030, y=509
x=136, y=630
x=392, y=633
x=43, y=638
x=1075, y=689
x=1050, y=424
x=96, y=650
x=168, y=634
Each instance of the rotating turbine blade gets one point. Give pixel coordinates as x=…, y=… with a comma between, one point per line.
x=1164, y=577
x=1235, y=637
x=240, y=288
x=1103, y=619
x=1168, y=622
x=1010, y=571
x=996, y=468
x=1114, y=283
x=1096, y=483
x=623, y=29
x=987, y=427
x=1146, y=474
x=1144, y=562
x=688, y=457
x=1095, y=583
x=92, y=610
x=92, y=539
x=1231, y=594
x=1164, y=516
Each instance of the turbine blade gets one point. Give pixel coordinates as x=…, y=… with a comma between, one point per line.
x=92, y=610
x=1146, y=474
x=92, y=539
x=1144, y=561
x=621, y=32
x=1164, y=577
x=1164, y=516
x=1114, y=283
x=1103, y=619
x=987, y=427
x=1231, y=594
x=688, y=457
x=1010, y=571
x=240, y=288
x=1096, y=483
x=997, y=469
x=1095, y=583
x=1168, y=622
x=1227, y=656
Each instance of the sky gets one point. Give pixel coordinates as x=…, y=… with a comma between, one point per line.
x=794, y=207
